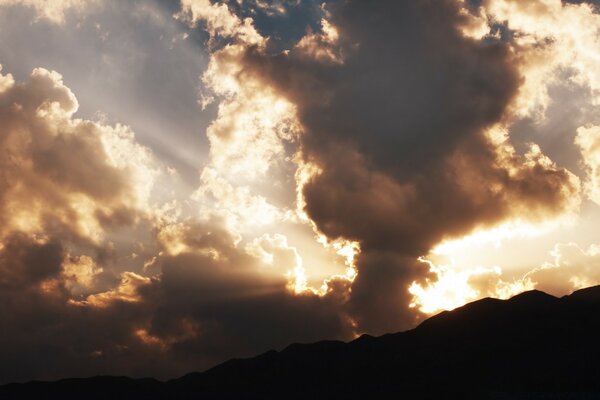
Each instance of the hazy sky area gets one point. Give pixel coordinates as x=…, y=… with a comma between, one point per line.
x=127, y=62
x=187, y=181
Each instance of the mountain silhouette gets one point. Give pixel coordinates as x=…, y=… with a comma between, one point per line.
x=532, y=346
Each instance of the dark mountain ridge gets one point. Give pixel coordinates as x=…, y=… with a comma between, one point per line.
x=531, y=346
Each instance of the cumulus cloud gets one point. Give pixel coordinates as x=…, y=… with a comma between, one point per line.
x=408, y=135
x=84, y=243
x=555, y=41
x=63, y=174
x=555, y=47
x=66, y=185
x=239, y=299
x=322, y=45
x=377, y=136
x=220, y=21
x=40, y=320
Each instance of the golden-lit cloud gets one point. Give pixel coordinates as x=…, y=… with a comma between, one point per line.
x=162, y=272
x=80, y=272
x=128, y=290
x=275, y=252
x=473, y=23
x=242, y=209
x=397, y=168
x=571, y=268
x=220, y=21
x=553, y=41
x=254, y=158
x=343, y=163
x=253, y=123
x=588, y=141
x=62, y=172
x=450, y=288
x=322, y=46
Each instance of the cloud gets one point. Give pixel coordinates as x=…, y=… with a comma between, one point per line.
x=68, y=188
x=240, y=303
x=209, y=303
x=220, y=21
x=45, y=335
x=51, y=10
x=373, y=138
x=28, y=262
x=80, y=272
x=64, y=174
x=409, y=137
x=588, y=141
x=555, y=41
x=322, y=46
x=450, y=288
x=127, y=291
x=85, y=244
x=572, y=268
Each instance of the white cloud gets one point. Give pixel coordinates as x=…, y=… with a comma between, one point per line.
x=220, y=21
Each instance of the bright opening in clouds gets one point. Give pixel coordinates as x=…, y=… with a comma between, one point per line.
x=186, y=182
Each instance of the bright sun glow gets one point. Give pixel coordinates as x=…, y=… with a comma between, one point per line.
x=453, y=286
x=451, y=290
x=496, y=235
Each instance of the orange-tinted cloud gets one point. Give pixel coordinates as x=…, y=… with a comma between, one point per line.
x=386, y=131
x=404, y=134
x=84, y=244
x=65, y=174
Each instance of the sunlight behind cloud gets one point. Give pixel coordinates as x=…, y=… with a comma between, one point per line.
x=299, y=171
x=496, y=235
x=453, y=288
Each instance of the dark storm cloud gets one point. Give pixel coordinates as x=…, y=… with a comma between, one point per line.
x=379, y=300
x=24, y=262
x=199, y=312
x=234, y=311
x=71, y=186
x=216, y=302
x=60, y=183
x=398, y=130
x=44, y=336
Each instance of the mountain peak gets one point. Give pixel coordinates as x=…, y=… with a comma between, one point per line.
x=533, y=297
x=531, y=343
x=589, y=294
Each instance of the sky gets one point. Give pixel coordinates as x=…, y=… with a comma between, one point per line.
x=187, y=181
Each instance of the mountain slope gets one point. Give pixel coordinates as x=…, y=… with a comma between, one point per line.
x=532, y=344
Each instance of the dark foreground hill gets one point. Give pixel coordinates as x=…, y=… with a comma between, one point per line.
x=533, y=346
